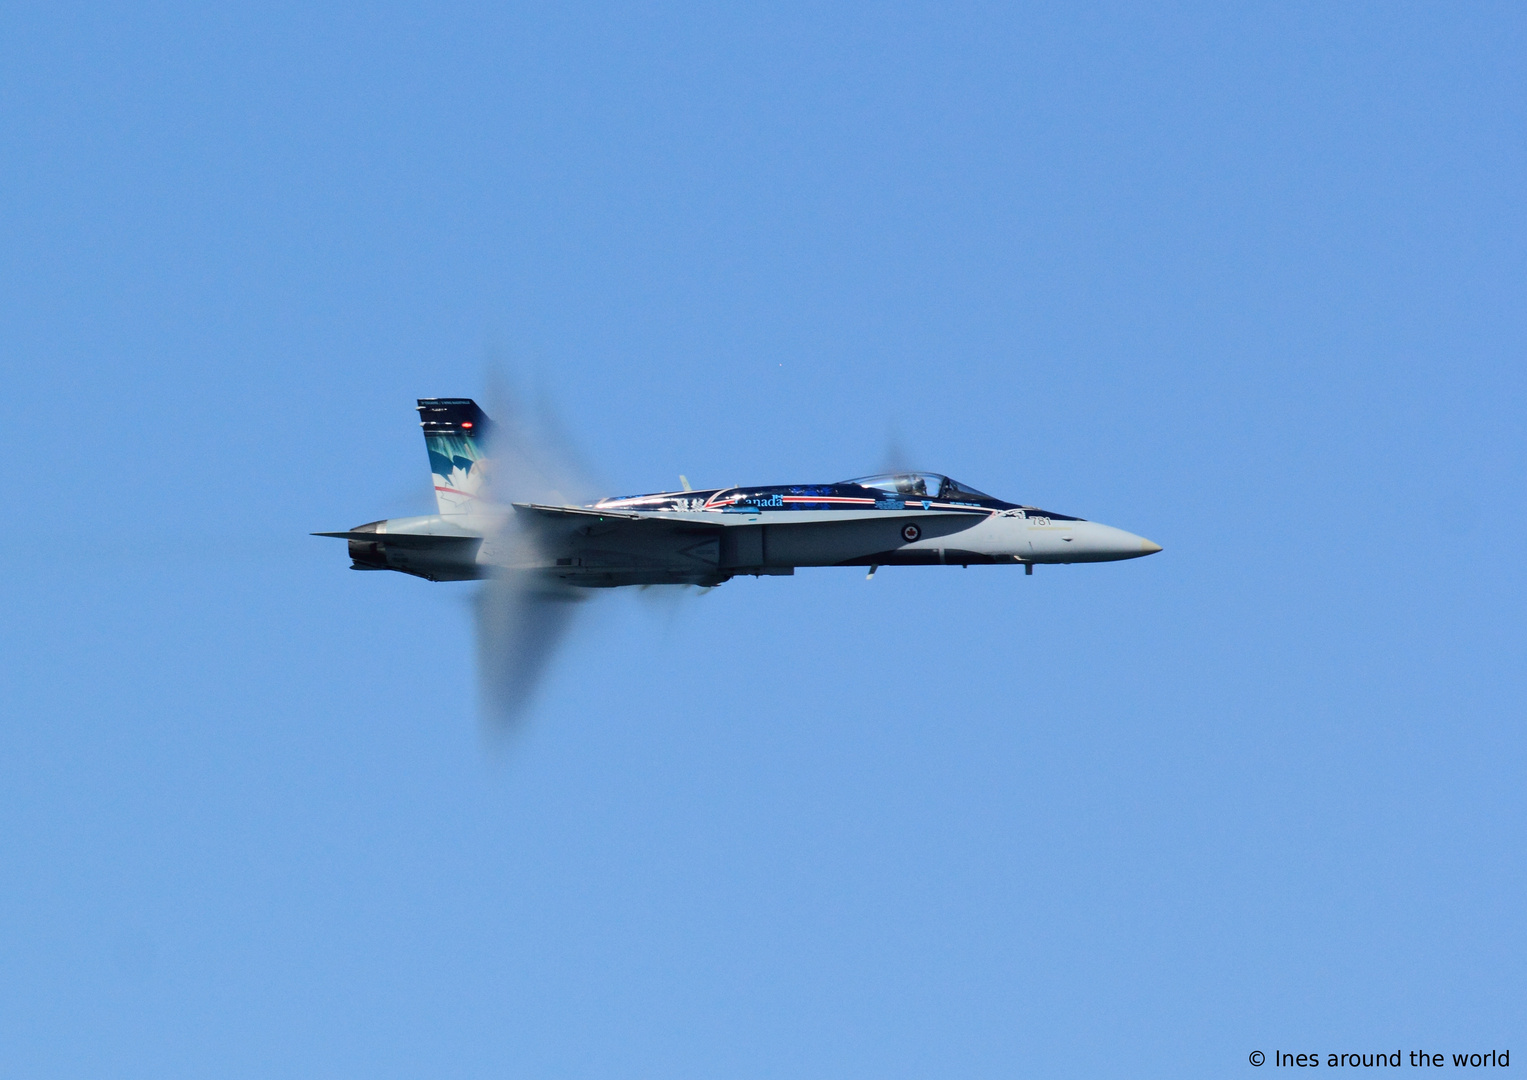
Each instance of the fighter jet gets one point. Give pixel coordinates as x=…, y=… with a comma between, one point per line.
x=706, y=537
x=539, y=553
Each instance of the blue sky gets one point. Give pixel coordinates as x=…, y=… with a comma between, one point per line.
x=1245, y=280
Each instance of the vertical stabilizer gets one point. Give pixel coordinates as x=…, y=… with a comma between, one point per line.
x=455, y=433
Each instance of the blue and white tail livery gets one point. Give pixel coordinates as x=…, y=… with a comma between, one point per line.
x=455, y=431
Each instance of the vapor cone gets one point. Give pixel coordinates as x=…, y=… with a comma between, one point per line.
x=522, y=612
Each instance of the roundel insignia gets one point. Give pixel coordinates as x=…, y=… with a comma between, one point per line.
x=910, y=533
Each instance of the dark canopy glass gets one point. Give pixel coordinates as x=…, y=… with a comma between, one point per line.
x=921, y=485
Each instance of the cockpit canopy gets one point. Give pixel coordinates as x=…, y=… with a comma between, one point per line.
x=921, y=485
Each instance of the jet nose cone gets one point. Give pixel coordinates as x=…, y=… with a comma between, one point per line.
x=1090, y=541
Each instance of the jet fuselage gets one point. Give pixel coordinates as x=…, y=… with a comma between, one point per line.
x=706, y=537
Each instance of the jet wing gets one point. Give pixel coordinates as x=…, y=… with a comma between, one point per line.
x=621, y=547
x=573, y=513
x=405, y=538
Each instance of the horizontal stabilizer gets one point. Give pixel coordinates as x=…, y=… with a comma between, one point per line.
x=436, y=556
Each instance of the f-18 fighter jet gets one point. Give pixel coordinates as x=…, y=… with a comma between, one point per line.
x=502, y=519
x=706, y=537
